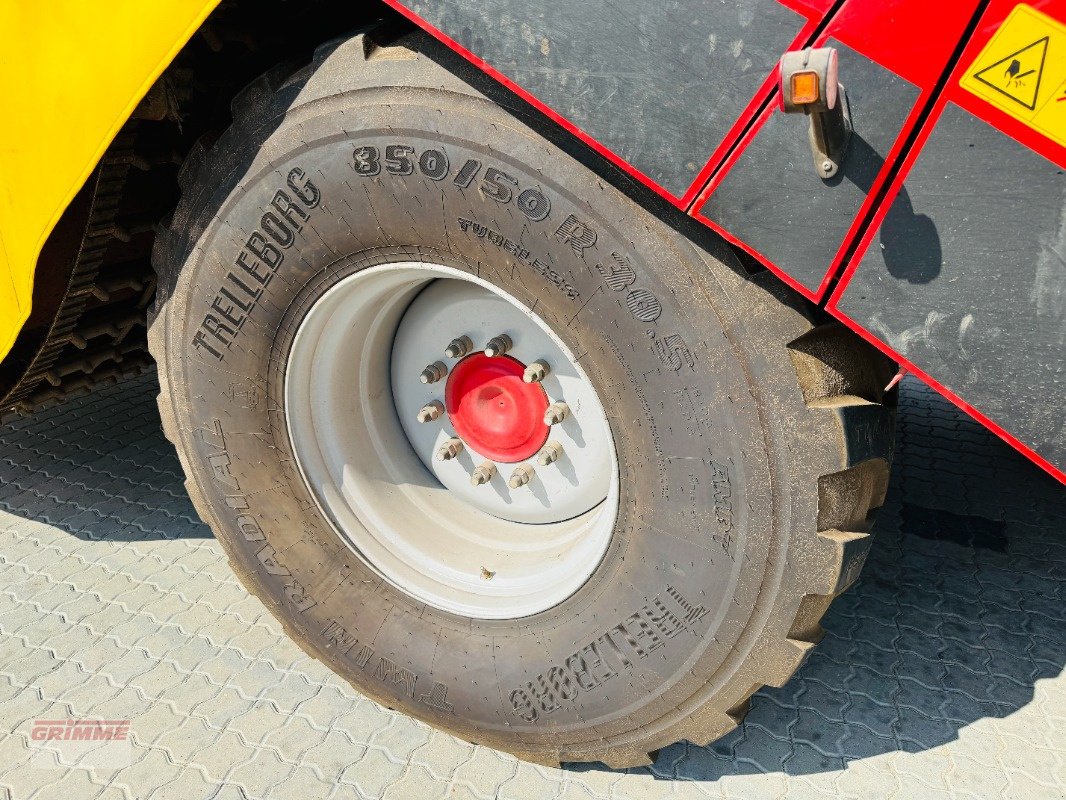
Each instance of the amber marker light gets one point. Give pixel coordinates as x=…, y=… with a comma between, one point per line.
x=804, y=88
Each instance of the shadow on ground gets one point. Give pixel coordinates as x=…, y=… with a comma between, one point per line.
x=98, y=467
x=959, y=612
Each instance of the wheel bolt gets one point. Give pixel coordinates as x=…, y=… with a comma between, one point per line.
x=536, y=372
x=522, y=475
x=430, y=411
x=483, y=473
x=450, y=449
x=549, y=454
x=556, y=413
x=434, y=372
x=498, y=345
x=458, y=347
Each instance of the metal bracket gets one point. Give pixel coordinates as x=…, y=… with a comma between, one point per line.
x=829, y=134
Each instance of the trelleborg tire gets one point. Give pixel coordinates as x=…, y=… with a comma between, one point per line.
x=750, y=440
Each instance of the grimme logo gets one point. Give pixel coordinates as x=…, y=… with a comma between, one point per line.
x=79, y=729
x=86, y=743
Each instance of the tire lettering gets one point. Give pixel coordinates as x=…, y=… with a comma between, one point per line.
x=521, y=254
x=289, y=210
x=723, y=507
x=614, y=651
x=467, y=174
x=398, y=159
x=367, y=161
x=534, y=204
x=575, y=233
x=498, y=185
x=434, y=165
x=307, y=192
x=673, y=352
x=255, y=265
x=618, y=274
x=643, y=305
x=437, y=698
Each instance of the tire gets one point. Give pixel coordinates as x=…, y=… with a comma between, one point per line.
x=752, y=439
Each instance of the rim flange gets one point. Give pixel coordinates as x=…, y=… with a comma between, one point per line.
x=585, y=537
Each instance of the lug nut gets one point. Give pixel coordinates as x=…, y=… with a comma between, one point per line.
x=556, y=413
x=498, y=345
x=450, y=449
x=434, y=372
x=522, y=475
x=536, y=372
x=430, y=411
x=458, y=347
x=549, y=454
x=482, y=474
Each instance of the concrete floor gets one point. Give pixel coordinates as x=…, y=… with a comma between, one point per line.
x=941, y=675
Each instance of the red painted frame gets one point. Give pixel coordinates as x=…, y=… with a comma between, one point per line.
x=860, y=24
x=812, y=9
x=856, y=25
x=994, y=15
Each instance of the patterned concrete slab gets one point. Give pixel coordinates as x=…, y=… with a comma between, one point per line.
x=941, y=675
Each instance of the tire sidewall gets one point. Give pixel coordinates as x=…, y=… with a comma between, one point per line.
x=696, y=519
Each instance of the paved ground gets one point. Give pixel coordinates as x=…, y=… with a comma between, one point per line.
x=941, y=674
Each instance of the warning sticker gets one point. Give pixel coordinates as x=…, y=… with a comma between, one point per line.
x=1022, y=71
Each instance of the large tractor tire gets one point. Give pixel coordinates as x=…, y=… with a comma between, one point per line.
x=496, y=445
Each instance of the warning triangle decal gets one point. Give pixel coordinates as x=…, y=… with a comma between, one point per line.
x=1018, y=75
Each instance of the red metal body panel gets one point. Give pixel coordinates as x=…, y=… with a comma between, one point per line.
x=808, y=9
x=921, y=60
x=993, y=17
x=915, y=39
x=803, y=39
x=991, y=20
x=518, y=90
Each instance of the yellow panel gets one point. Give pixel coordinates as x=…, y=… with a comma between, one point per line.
x=71, y=72
x=1022, y=71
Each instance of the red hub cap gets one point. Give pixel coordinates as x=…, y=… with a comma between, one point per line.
x=493, y=410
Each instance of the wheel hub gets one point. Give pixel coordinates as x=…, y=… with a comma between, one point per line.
x=494, y=410
x=498, y=412
x=452, y=440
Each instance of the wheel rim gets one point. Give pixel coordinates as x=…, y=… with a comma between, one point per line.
x=438, y=468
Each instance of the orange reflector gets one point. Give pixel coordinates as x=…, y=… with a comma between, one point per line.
x=804, y=88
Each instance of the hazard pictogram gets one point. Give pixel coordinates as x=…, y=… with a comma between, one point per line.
x=1018, y=75
x=1021, y=71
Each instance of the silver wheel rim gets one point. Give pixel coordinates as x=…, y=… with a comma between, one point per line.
x=352, y=396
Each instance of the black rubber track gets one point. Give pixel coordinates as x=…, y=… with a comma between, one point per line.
x=753, y=439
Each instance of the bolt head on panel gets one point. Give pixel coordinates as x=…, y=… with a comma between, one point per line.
x=434, y=372
x=450, y=449
x=521, y=476
x=536, y=372
x=458, y=347
x=431, y=411
x=549, y=454
x=483, y=473
x=556, y=413
x=498, y=345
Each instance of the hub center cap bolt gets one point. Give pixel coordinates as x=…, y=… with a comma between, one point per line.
x=434, y=372
x=458, y=347
x=483, y=473
x=556, y=413
x=450, y=449
x=498, y=345
x=549, y=454
x=536, y=372
x=522, y=475
x=430, y=411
